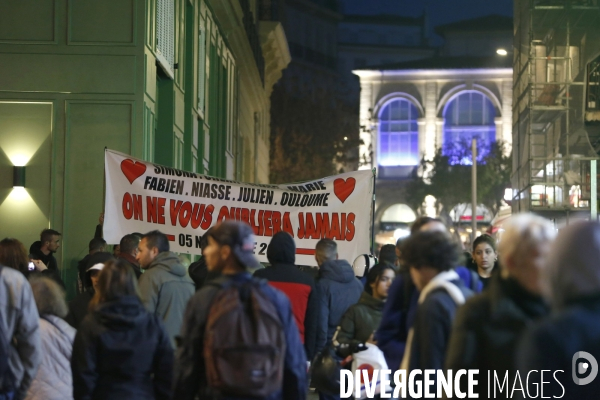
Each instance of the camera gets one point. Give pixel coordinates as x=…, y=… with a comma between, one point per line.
x=31, y=266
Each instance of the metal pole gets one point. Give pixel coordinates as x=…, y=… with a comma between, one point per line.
x=104, y=184
x=374, y=170
x=593, y=191
x=474, y=190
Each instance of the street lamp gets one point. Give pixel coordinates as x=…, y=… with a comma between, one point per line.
x=502, y=52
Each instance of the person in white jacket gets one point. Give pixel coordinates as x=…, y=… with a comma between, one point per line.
x=53, y=380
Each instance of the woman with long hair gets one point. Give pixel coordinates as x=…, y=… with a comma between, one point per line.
x=121, y=351
x=14, y=255
x=362, y=319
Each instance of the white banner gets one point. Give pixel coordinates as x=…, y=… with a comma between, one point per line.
x=142, y=196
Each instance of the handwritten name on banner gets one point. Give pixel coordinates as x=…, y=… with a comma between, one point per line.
x=142, y=196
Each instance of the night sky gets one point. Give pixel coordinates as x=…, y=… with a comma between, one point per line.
x=440, y=11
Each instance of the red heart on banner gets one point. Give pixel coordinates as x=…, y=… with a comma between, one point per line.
x=132, y=169
x=343, y=188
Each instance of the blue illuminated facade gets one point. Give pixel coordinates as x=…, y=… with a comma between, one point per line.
x=468, y=115
x=398, y=134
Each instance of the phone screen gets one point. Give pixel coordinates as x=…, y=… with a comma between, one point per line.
x=31, y=266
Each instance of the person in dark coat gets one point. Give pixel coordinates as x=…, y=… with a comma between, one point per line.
x=431, y=257
x=121, y=351
x=398, y=316
x=362, y=319
x=487, y=329
x=128, y=249
x=79, y=306
x=230, y=252
x=485, y=257
x=337, y=289
x=570, y=338
x=401, y=305
x=96, y=245
x=43, y=250
x=297, y=285
x=313, y=272
x=198, y=270
x=388, y=255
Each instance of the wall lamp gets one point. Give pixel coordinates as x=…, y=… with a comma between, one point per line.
x=19, y=176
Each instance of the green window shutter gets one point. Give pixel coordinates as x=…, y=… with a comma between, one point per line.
x=202, y=65
x=165, y=35
x=178, y=151
x=149, y=128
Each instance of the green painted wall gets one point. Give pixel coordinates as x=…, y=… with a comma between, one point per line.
x=26, y=139
x=74, y=72
x=79, y=76
x=81, y=59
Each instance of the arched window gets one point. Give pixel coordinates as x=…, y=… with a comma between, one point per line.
x=468, y=115
x=398, y=134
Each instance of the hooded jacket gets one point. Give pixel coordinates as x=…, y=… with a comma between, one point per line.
x=488, y=327
x=35, y=252
x=438, y=302
x=122, y=352
x=571, y=282
x=297, y=285
x=54, y=380
x=20, y=321
x=360, y=321
x=337, y=290
x=165, y=289
x=190, y=372
x=428, y=339
x=400, y=310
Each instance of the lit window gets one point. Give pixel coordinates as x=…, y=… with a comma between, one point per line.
x=468, y=115
x=398, y=134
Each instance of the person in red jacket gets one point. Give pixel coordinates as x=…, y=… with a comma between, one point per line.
x=297, y=285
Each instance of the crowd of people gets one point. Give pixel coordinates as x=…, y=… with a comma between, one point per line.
x=145, y=326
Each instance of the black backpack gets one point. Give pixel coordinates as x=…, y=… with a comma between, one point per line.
x=244, y=342
x=6, y=376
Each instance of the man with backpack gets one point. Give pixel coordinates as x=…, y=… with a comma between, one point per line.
x=239, y=339
x=20, y=348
